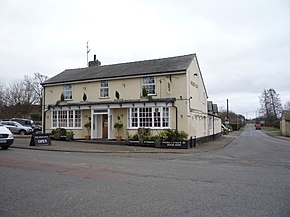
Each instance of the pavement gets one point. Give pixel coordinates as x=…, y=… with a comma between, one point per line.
x=83, y=146
x=276, y=134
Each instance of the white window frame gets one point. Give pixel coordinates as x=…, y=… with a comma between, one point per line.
x=146, y=117
x=67, y=92
x=146, y=83
x=104, y=89
x=67, y=119
x=165, y=118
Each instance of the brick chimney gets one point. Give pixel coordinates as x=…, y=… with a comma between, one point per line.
x=95, y=62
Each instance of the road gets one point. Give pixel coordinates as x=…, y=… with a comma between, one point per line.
x=249, y=177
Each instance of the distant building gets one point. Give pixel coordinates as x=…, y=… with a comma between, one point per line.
x=285, y=123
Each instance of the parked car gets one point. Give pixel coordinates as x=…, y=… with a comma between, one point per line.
x=17, y=128
x=28, y=123
x=6, y=137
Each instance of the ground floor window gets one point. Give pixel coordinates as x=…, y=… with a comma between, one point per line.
x=153, y=117
x=66, y=119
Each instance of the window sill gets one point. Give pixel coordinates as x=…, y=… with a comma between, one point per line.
x=67, y=128
x=152, y=128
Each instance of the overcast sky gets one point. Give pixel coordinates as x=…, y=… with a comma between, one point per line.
x=243, y=46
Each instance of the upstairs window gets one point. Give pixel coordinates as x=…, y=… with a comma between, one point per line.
x=149, y=84
x=104, y=91
x=67, y=91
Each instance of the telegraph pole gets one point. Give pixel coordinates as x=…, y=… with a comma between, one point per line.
x=227, y=109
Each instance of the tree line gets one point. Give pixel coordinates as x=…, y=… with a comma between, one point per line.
x=22, y=98
x=271, y=108
x=269, y=113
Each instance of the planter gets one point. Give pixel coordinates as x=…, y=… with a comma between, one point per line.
x=88, y=137
x=118, y=138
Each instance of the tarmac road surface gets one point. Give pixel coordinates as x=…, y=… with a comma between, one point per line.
x=248, y=177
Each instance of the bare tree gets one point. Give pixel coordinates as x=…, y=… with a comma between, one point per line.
x=2, y=94
x=265, y=103
x=287, y=105
x=20, y=97
x=271, y=106
x=2, y=101
x=275, y=103
x=28, y=86
x=36, y=86
x=15, y=93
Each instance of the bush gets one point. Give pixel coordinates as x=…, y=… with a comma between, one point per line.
x=144, y=132
x=276, y=124
x=60, y=131
x=165, y=135
x=62, y=134
x=235, y=127
x=69, y=135
x=173, y=135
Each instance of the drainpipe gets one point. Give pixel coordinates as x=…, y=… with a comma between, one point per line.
x=176, y=117
x=213, y=128
x=43, y=111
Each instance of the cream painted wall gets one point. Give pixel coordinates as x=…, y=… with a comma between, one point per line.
x=285, y=127
x=129, y=88
x=122, y=114
x=197, y=118
x=186, y=87
x=214, y=126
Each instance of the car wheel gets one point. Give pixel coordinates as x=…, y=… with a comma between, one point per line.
x=5, y=147
x=22, y=132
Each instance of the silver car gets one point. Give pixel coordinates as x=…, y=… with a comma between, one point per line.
x=17, y=128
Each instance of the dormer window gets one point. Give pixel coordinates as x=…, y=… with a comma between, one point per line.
x=67, y=91
x=149, y=84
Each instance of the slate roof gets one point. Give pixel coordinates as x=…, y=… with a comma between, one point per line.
x=209, y=106
x=215, y=108
x=140, y=68
x=212, y=108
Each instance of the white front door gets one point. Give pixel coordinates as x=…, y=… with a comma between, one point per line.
x=100, y=126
